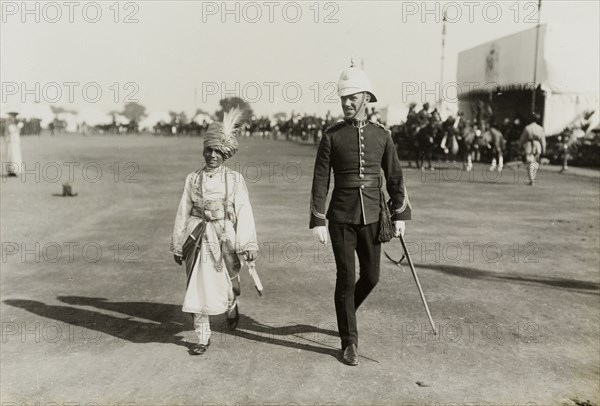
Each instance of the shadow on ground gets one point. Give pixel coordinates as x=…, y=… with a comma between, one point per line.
x=585, y=287
x=147, y=322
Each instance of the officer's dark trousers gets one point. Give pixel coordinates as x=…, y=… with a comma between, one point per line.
x=347, y=239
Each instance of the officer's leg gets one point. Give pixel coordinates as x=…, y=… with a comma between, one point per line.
x=343, y=241
x=369, y=251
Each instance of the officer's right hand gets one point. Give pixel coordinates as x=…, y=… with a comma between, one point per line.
x=178, y=259
x=399, y=228
x=320, y=233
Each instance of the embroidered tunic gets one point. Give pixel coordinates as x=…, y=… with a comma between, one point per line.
x=209, y=289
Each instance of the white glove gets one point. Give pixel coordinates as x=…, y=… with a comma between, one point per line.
x=320, y=233
x=399, y=228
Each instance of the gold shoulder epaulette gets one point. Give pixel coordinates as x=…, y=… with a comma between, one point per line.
x=335, y=126
x=380, y=126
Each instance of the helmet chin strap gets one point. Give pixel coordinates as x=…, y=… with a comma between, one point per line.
x=360, y=107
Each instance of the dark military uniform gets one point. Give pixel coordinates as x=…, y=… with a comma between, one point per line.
x=412, y=119
x=357, y=152
x=423, y=118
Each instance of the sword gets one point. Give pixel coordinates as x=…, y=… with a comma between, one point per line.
x=414, y=273
x=257, y=284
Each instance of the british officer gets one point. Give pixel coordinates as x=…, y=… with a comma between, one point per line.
x=357, y=150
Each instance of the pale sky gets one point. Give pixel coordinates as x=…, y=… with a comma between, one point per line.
x=178, y=54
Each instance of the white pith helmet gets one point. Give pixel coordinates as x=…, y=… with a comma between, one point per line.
x=354, y=80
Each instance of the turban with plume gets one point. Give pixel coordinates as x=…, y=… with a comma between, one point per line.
x=222, y=136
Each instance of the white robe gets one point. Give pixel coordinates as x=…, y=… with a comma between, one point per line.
x=11, y=156
x=209, y=290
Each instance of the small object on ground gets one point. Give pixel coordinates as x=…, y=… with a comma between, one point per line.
x=580, y=402
x=422, y=384
x=68, y=190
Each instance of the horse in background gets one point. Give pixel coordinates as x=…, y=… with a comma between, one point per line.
x=481, y=142
x=427, y=137
x=494, y=145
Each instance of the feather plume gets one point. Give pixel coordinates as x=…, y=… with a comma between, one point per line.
x=222, y=136
x=231, y=120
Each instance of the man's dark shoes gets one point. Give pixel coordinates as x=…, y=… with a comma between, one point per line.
x=350, y=356
x=199, y=349
x=233, y=322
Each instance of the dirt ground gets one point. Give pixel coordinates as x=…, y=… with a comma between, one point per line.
x=91, y=297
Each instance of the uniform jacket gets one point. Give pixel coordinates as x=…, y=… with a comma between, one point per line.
x=357, y=156
x=423, y=117
x=412, y=119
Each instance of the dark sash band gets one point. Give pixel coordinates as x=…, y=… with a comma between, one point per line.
x=355, y=182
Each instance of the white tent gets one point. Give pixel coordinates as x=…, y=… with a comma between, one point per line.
x=121, y=120
x=154, y=118
x=70, y=119
x=42, y=112
x=567, y=69
x=200, y=118
x=92, y=117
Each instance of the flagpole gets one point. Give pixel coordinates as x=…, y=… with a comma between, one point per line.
x=537, y=39
x=443, y=49
x=442, y=62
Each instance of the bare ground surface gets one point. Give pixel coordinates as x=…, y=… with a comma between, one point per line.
x=511, y=274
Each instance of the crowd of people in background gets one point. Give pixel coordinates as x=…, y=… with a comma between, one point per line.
x=423, y=137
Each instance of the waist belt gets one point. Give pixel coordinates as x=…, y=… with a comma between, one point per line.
x=215, y=215
x=355, y=182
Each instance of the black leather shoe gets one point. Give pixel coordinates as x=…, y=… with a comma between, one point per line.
x=350, y=356
x=233, y=322
x=199, y=349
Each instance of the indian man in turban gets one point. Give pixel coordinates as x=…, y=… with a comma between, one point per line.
x=214, y=232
